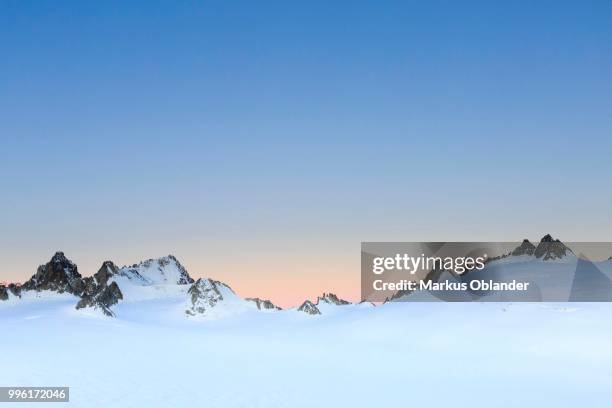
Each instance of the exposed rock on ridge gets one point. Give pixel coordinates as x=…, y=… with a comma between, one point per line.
x=204, y=295
x=550, y=248
x=98, y=293
x=332, y=299
x=309, y=308
x=263, y=304
x=526, y=248
x=59, y=274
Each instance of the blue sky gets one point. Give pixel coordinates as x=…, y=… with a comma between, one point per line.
x=262, y=139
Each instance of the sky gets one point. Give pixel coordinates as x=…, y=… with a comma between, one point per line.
x=262, y=142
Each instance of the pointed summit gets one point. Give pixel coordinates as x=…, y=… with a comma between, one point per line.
x=331, y=299
x=550, y=248
x=309, y=308
x=98, y=293
x=59, y=274
x=160, y=271
x=526, y=248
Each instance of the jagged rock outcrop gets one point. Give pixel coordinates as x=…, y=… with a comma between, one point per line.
x=550, y=248
x=204, y=294
x=98, y=293
x=332, y=299
x=15, y=289
x=5, y=290
x=103, y=299
x=309, y=307
x=526, y=248
x=263, y=304
x=59, y=274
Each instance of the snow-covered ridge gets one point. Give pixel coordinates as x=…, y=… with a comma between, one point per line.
x=147, y=284
x=165, y=270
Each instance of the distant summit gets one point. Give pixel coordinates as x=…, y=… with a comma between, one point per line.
x=263, y=304
x=98, y=293
x=549, y=249
x=309, y=308
x=332, y=299
x=165, y=270
x=59, y=274
x=526, y=248
x=204, y=294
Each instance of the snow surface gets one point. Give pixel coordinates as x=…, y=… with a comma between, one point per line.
x=400, y=354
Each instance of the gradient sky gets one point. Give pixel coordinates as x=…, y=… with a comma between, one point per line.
x=261, y=142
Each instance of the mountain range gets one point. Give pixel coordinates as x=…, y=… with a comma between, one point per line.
x=554, y=271
x=151, y=279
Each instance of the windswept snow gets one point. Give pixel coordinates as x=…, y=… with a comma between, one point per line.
x=479, y=354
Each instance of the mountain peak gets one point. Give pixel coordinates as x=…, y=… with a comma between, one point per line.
x=59, y=257
x=331, y=298
x=526, y=248
x=550, y=248
x=155, y=271
x=59, y=274
x=205, y=294
x=309, y=307
x=263, y=304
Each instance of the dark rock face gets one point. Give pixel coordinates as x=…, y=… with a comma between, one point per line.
x=14, y=289
x=103, y=298
x=59, y=274
x=97, y=293
x=264, y=304
x=11, y=288
x=332, y=299
x=310, y=308
x=106, y=271
x=526, y=248
x=550, y=248
x=204, y=295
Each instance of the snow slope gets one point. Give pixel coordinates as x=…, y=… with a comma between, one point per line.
x=421, y=354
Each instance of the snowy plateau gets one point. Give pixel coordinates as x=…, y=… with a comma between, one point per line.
x=148, y=335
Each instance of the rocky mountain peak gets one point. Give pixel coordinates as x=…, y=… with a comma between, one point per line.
x=332, y=299
x=165, y=270
x=98, y=293
x=263, y=304
x=526, y=248
x=204, y=294
x=309, y=307
x=550, y=248
x=106, y=271
x=59, y=274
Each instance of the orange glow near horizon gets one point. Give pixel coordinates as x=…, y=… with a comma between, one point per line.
x=286, y=280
